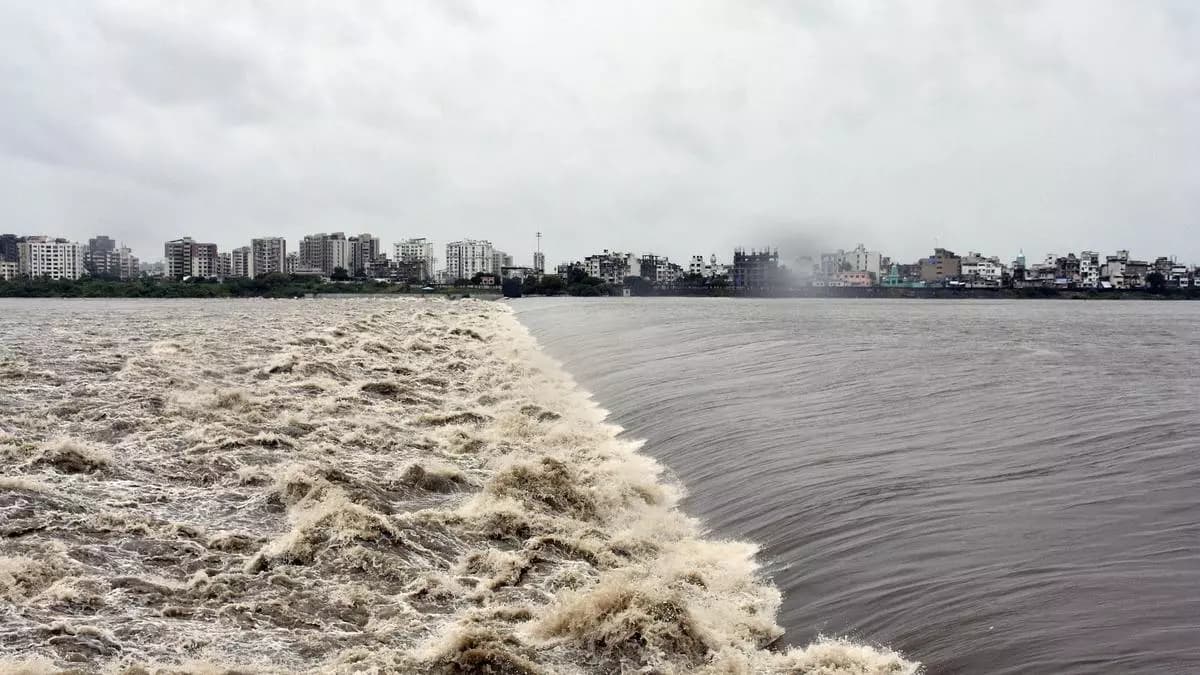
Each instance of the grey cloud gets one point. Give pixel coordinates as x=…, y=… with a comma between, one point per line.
x=673, y=127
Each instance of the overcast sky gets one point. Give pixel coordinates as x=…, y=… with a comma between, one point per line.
x=654, y=126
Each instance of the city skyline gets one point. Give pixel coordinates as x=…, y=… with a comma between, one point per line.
x=1042, y=126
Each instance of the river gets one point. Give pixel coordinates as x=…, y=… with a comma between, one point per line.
x=986, y=486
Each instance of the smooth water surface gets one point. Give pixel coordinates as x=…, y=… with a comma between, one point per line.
x=988, y=486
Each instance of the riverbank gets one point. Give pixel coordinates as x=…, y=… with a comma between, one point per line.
x=407, y=485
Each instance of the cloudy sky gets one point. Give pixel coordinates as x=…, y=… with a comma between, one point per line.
x=673, y=127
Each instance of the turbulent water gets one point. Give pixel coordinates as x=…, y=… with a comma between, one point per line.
x=361, y=485
x=988, y=487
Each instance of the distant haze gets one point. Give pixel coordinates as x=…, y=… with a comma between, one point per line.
x=673, y=127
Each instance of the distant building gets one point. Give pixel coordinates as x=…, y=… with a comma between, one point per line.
x=9, y=270
x=188, y=258
x=415, y=258
x=539, y=263
x=755, y=269
x=103, y=258
x=710, y=268
x=8, y=248
x=1089, y=269
x=977, y=270
x=659, y=269
x=468, y=257
x=942, y=266
x=515, y=272
x=54, y=258
x=156, y=269
x=224, y=264
x=324, y=252
x=862, y=260
x=500, y=260
x=268, y=255
x=834, y=263
x=291, y=262
x=364, y=249
x=241, y=263
x=612, y=267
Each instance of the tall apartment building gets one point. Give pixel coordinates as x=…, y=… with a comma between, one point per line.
x=539, y=262
x=53, y=258
x=325, y=252
x=224, y=265
x=415, y=257
x=268, y=256
x=364, y=249
x=9, y=270
x=466, y=258
x=188, y=258
x=104, y=258
x=291, y=262
x=8, y=248
x=241, y=262
x=500, y=260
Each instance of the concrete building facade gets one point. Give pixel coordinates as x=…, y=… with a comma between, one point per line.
x=943, y=265
x=416, y=258
x=188, y=258
x=268, y=256
x=53, y=258
x=468, y=257
x=612, y=267
x=324, y=252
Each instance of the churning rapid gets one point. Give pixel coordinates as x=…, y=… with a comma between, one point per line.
x=346, y=486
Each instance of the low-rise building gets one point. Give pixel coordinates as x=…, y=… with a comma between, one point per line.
x=977, y=270
x=9, y=270
x=941, y=267
x=612, y=267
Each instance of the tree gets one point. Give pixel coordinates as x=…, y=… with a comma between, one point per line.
x=1156, y=281
x=552, y=284
x=339, y=274
x=638, y=286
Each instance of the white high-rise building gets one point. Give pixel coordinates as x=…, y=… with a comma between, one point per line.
x=53, y=258
x=466, y=258
x=539, y=262
x=268, y=256
x=415, y=255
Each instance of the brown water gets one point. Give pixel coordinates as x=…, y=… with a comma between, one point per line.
x=989, y=486
x=357, y=485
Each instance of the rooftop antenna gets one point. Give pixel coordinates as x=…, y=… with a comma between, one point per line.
x=539, y=244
